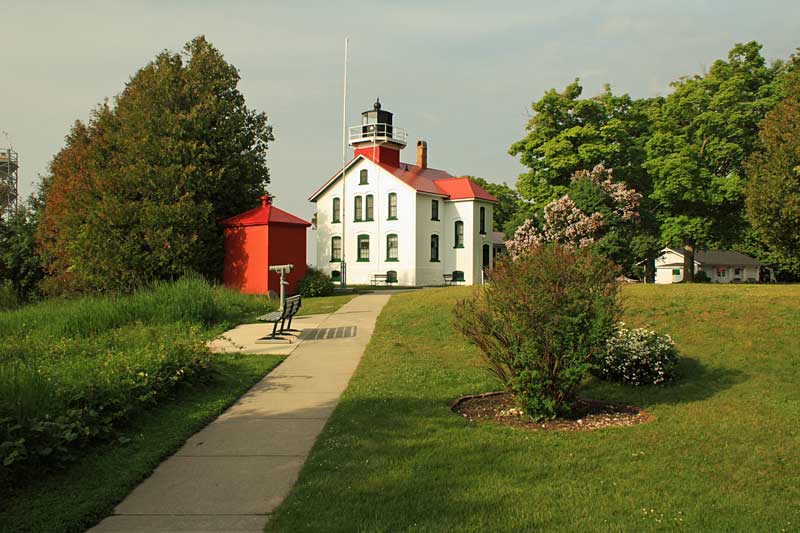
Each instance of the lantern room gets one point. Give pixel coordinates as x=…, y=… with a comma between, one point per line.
x=260, y=238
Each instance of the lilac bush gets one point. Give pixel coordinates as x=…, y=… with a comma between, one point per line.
x=638, y=356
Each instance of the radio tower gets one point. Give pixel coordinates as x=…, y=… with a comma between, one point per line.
x=9, y=180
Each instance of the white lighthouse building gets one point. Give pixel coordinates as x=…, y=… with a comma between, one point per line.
x=411, y=223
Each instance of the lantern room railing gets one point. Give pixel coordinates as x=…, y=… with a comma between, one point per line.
x=377, y=133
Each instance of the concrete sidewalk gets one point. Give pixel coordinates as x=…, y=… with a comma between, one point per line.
x=230, y=475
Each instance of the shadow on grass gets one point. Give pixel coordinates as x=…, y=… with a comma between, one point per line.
x=694, y=381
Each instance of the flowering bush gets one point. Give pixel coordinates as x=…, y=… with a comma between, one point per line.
x=541, y=321
x=638, y=356
x=563, y=222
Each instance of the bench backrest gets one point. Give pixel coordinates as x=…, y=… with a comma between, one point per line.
x=291, y=306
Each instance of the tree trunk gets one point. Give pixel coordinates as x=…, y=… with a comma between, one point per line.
x=650, y=269
x=688, y=261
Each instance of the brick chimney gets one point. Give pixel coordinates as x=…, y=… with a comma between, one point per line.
x=422, y=154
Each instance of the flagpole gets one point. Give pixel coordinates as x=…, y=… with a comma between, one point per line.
x=343, y=269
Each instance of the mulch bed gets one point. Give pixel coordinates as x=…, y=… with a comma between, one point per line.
x=500, y=408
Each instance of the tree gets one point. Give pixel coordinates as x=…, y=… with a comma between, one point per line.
x=19, y=261
x=704, y=131
x=137, y=193
x=773, y=189
x=596, y=212
x=568, y=134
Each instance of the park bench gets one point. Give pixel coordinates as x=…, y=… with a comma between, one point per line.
x=385, y=279
x=456, y=276
x=287, y=311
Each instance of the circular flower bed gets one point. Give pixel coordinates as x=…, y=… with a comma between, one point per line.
x=500, y=408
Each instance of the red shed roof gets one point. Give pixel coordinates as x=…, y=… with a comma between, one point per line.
x=265, y=214
x=427, y=180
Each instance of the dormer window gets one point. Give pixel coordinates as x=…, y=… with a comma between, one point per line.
x=363, y=177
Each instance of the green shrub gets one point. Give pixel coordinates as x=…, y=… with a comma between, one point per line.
x=540, y=322
x=638, y=356
x=56, y=397
x=701, y=277
x=315, y=283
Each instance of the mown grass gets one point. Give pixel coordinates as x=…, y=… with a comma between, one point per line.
x=78, y=496
x=722, y=454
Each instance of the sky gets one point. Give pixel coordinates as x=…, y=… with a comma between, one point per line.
x=459, y=74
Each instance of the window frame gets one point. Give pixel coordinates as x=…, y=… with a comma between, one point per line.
x=335, y=259
x=362, y=238
x=336, y=216
x=390, y=216
x=363, y=177
x=389, y=258
x=435, y=257
x=435, y=210
x=458, y=236
x=358, y=208
x=369, y=208
x=482, y=219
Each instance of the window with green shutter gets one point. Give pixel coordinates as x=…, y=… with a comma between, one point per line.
x=392, y=206
x=363, y=248
x=391, y=247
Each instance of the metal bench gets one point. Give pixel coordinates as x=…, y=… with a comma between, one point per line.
x=386, y=279
x=289, y=309
x=457, y=276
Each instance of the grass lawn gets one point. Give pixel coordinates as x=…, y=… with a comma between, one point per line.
x=723, y=452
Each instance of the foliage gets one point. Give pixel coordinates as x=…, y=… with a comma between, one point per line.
x=315, y=283
x=540, y=322
x=568, y=134
x=75, y=497
x=136, y=194
x=597, y=211
x=20, y=263
x=71, y=372
x=773, y=190
x=703, y=132
x=638, y=356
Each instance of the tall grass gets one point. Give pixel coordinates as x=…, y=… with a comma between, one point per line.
x=70, y=370
x=189, y=300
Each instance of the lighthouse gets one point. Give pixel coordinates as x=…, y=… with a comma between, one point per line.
x=383, y=221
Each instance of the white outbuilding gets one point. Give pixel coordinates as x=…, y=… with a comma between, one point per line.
x=380, y=219
x=721, y=266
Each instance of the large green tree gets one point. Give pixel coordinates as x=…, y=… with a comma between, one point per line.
x=568, y=133
x=136, y=195
x=703, y=132
x=773, y=189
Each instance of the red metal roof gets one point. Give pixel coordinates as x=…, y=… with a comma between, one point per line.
x=427, y=180
x=265, y=214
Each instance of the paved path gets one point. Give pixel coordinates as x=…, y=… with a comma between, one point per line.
x=230, y=475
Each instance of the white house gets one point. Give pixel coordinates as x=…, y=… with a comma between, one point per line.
x=412, y=223
x=720, y=266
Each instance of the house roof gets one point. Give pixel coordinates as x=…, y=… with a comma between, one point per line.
x=265, y=214
x=719, y=258
x=498, y=237
x=427, y=180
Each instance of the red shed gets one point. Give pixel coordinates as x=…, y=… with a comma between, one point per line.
x=260, y=238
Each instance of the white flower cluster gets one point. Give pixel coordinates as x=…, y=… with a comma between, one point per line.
x=638, y=356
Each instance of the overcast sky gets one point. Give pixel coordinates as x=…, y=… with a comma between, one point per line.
x=458, y=74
